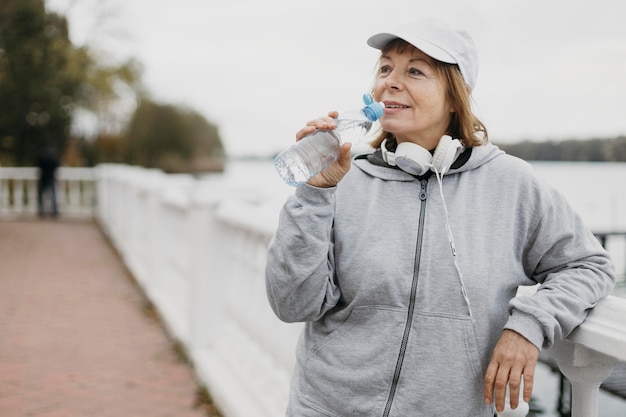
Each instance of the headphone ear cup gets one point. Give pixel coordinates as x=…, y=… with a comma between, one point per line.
x=445, y=153
x=412, y=158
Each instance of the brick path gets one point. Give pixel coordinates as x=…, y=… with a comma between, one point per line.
x=76, y=335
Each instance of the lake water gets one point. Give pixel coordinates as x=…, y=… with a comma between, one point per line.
x=596, y=190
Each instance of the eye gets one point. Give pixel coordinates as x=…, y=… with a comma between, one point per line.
x=415, y=72
x=384, y=70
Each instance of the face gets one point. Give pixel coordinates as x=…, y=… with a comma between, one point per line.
x=417, y=108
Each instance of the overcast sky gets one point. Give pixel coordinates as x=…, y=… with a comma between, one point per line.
x=260, y=69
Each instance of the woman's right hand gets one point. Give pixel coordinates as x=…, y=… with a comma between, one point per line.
x=334, y=172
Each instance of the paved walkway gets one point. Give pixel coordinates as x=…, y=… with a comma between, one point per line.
x=77, y=338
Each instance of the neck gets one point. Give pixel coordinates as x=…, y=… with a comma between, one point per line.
x=429, y=144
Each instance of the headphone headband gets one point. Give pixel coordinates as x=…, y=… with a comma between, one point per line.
x=388, y=156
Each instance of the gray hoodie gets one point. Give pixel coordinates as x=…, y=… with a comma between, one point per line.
x=369, y=266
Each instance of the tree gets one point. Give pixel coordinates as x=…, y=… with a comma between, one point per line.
x=37, y=93
x=54, y=94
x=103, y=91
x=47, y=84
x=173, y=139
x=597, y=150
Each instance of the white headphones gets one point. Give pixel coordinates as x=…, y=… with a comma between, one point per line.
x=416, y=160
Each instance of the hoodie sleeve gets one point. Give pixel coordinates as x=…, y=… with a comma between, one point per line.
x=574, y=270
x=300, y=266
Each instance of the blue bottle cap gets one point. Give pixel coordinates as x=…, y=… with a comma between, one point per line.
x=374, y=111
x=368, y=99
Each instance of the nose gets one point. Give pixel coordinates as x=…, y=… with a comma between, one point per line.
x=392, y=81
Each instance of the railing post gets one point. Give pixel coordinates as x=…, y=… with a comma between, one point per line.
x=585, y=369
x=208, y=273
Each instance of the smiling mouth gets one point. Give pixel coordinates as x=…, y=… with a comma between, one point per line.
x=395, y=106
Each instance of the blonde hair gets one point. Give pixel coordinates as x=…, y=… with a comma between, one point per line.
x=464, y=125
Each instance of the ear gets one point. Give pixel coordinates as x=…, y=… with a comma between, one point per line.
x=453, y=106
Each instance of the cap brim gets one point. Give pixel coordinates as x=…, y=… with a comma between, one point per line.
x=380, y=40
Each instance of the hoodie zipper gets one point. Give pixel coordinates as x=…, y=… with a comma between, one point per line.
x=411, y=309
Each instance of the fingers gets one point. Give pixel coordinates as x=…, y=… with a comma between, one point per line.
x=321, y=123
x=305, y=131
x=529, y=380
x=513, y=358
x=335, y=172
x=496, y=382
x=345, y=157
x=500, y=387
x=490, y=380
x=515, y=381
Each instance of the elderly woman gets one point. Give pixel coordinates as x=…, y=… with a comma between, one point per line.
x=405, y=267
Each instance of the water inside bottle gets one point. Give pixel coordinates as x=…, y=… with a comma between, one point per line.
x=353, y=131
x=293, y=171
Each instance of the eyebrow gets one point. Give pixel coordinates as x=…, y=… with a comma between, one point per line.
x=411, y=60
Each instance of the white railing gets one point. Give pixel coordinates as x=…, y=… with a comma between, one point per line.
x=198, y=250
x=75, y=191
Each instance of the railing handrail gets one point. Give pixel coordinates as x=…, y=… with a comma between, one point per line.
x=32, y=173
x=604, y=329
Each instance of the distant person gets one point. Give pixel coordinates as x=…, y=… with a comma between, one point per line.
x=404, y=262
x=48, y=162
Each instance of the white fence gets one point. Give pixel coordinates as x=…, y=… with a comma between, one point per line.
x=199, y=253
x=198, y=249
x=75, y=191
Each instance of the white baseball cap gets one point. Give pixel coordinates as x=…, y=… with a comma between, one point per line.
x=438, y=41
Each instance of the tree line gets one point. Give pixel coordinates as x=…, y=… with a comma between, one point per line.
x=74, y=100
x=591, y=150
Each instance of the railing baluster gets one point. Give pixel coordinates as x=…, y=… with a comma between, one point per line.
x=18, y=196
x=31, y=196
x=585, y=369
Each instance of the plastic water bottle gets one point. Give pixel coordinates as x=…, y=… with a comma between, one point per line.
x=311, y=154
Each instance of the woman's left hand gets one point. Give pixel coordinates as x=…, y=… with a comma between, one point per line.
x=514, y=357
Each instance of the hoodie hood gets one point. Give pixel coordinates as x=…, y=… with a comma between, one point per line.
x=471, y=158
